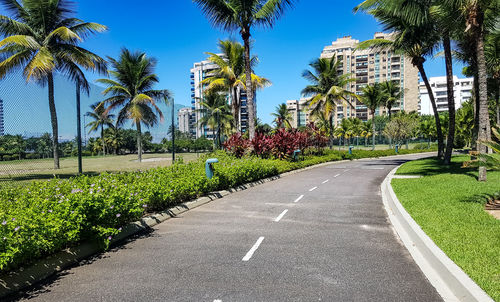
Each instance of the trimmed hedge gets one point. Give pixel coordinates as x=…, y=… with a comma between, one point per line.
x=45, y=217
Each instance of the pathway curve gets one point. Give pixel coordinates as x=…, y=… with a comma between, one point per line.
x=318, y=235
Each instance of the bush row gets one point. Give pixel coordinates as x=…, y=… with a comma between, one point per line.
x=46, y=217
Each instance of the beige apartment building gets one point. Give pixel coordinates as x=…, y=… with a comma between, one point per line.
x=299, y=112
x=370, y=66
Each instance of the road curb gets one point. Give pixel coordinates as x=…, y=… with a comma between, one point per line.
x=22, y=278
x=451, y=282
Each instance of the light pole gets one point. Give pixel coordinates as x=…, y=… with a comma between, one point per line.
x=173, y=131
x=78, y=128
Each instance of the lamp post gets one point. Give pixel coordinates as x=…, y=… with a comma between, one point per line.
x=173, y=131
x=78, y=128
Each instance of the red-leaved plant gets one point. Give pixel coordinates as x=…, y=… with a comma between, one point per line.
x=236, y=145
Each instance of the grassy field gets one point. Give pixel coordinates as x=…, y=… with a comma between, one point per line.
x=448, y=203
x=21, y=171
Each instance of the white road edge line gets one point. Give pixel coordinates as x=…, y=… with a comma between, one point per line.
x=337, y=175
x=280, y=216
x=325, y=181
x=217, y=300
x=298, y=199
x=253, y=249
x=312, y=189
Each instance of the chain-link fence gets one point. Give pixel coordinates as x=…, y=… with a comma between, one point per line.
x=26, y=150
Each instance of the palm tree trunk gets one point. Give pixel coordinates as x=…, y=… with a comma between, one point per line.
x=498, y=103
x=451, y=99
x=245, y=35
x=78, y=128
x=235, y=106
x=139, y=141
x=420, y=67
x=374, y=130
x=53, y=120
x=102, y=139
x=484, y=133
x=475, y=132
x=331, y=132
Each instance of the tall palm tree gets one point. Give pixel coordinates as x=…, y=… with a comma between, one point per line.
x=42, y=37
x=282, y=116
x=242, y=15
x=416, y=40
x=101, y=118
x=393, y=94
x=131, y=91
x=480, y=16
x=492, y=52
x=216, y=114
x=230, y=75
x=328, y=88
x=373, y=98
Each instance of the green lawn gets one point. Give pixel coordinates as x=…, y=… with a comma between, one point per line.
x=21, y=171
x=448, y=203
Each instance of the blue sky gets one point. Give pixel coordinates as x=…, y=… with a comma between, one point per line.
x=177, y=34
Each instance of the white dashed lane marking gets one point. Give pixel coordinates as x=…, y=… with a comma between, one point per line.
x=280, y=216
x=249, y=255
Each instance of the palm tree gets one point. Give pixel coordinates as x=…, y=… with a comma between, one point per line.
x=479, y=16
x=243, y=15
x=42, y=38
x=393, y=94
x=113, y=137
x=367, y=130
x=323, y=123
x=342, y=130
x=327, y=89
x=427, y=129
x=282, y=116
x=227, y=75
x=131, y=91
x=355, y=128
x=373, y=97
x=415, y=41
x=216, y=114
x=230, y=75
x=492, y=53
x=101, y=118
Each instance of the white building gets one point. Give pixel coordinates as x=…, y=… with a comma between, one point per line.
x=462, y=90
x=187, y=121
x=200, y=72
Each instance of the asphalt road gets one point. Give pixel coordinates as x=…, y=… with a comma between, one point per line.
x=318, y=235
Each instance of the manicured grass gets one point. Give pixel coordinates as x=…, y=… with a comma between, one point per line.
x=448, y=203
x=39, y=169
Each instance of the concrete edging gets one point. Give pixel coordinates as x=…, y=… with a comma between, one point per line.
x=451, y=282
